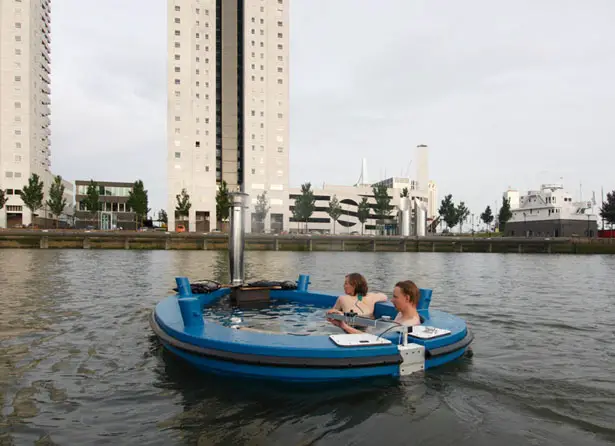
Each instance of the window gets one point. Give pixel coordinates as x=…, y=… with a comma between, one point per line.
x=198, y=35
x=18, y=145
x=253, y=113
x=17, y=174
x=178, y=155
x=280, y=115
x=177, y=8
x=197, y=144
x=280, y=35
x=18, y=51
x=177, y=118
x=177, y=131
x=177, y=57
x=17, y=104
x=17, y=25
x=280, y=23
x=177, y=33
x=177, y=82
x=206, y=168
x=280, y=58
x=177, y=20
x=17, y=38
x=177, y=69
x=280, y=81
x=280, y=149
x=18, y=158
x=18, y=131
x=17, y=78
x=280, y=70
x=253, y=171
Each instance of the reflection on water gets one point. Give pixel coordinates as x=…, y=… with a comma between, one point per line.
x=79, y=364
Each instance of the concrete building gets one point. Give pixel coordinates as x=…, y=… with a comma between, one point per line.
x=25, y=40
x=513, y=196
x=551, y=212
x=349, y=198
x=114, y=212
x=432, y=200
x=228, y=105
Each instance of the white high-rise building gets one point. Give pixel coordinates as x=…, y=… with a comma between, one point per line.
x=228, y=106
x=25, y=40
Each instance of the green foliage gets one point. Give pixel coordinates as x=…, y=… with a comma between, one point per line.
x=261, y=208
x=183, y=204
x=404, y=193
x=363, y=212
x=162, y=216
x=137, y=201
x=334, y=211
x=305, y=204
x=505, y=214
x=223, y=202
x=92, y=199
x=607, y=210
x=487, y=216
x=56, y=200
x=448, y=211
x=462, y=213
x=383, y=201
x=3, y=198
x=32, y=194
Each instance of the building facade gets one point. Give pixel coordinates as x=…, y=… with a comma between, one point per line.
x=227, y=111
x=550, y=212
x=349, y=198
x=25, y=40
x=113, y=213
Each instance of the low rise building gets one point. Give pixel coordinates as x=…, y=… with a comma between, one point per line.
x=113, y=212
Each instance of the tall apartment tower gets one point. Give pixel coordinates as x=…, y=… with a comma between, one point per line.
x=25, y=41
x=228, y=107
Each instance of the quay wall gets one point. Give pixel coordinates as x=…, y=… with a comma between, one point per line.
x=79, y=239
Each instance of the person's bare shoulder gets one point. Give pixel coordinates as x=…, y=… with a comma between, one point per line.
x=378, y=297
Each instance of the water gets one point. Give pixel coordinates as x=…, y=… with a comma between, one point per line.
x=277, y=316
x=79, y=364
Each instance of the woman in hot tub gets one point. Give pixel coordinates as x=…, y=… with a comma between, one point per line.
x=405, y=299
x=357, y=299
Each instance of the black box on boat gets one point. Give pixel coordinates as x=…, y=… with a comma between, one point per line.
x=250, y=296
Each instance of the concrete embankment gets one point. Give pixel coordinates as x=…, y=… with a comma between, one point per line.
x=79, y=239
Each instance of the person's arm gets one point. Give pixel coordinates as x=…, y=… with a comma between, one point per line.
x=337, y=308
x=348, y=329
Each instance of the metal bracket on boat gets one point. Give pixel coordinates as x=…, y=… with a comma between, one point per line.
x=413, y=356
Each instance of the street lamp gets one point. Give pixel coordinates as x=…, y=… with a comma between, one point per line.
x=472, y=224
x=588, y=216
x=525, y=223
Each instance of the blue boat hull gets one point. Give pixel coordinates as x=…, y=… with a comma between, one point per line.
x=178, y=323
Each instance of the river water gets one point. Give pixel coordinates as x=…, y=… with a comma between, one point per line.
x=79, y=364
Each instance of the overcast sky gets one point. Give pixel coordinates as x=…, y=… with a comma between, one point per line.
x=504, y=93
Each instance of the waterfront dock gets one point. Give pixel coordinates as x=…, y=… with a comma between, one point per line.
x=80, y=239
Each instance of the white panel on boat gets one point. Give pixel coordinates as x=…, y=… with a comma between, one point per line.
x=424, y=332
x=358, y=340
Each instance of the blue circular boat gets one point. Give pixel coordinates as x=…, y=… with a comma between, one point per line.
x=385, y=349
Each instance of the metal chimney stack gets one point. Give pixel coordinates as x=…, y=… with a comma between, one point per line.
x=236, y=242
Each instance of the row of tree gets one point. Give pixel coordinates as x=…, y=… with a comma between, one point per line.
x=32, y=196
x=453, y=215
x=305, y=205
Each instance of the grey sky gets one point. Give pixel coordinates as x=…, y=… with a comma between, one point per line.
x=504, y=93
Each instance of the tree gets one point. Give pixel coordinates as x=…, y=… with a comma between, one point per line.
x=305, y=204
x=183, y=204
x=462, y=213
x=607, y=210
x=56, y=200
x=404, y=193
x=363, y=212
x=487, y=217
x=32, y=194
x=162, y=217
x=334, y=211
x=383, y=201
x=261, y=208
x=223, y=202
x=3, y=198
x=448, y=211
x=92, y=199
x=505, y=214
x=137, y=201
